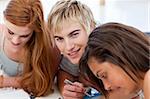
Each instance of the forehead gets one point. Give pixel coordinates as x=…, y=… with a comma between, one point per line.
x=93, y=61
x=66, y=27
x=96, y=64
x=20, y=30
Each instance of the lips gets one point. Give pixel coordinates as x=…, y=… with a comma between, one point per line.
x=73, y=54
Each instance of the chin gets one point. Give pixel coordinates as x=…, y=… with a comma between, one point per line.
x=75, y=61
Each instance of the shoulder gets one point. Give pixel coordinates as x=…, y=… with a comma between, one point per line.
x=147, y=85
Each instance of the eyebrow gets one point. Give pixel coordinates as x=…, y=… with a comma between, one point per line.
x=57, y=37
x=73, y=31
x=68, y=34
x=20, y=35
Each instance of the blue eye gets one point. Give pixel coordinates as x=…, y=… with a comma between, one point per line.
x=74, y=35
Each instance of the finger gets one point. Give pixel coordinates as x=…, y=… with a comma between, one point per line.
x=78, y=84
x=71, y=98
x=71, y=94
x=74, y=88
x=72, y=91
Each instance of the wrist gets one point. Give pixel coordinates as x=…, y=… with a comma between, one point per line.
x=1, y=81
x=11, y=82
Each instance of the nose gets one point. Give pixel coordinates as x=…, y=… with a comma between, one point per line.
x=107, y=85
x=69, y=45
x=15, y=40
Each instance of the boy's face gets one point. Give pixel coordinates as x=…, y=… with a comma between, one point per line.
x=71, y=40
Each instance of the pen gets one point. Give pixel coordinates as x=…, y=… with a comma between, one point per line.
x=66, y=81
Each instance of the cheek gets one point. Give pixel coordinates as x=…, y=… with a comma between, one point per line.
x=82, y=39
x=8, y=36
x=25, y=40
x=124, y=81
x=119, y=81
x=60, y=46
x=116, y=78
x=129, y=83
x=81, y=43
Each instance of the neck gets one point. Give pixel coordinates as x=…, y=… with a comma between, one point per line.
x=13, y=54
x=139, y=92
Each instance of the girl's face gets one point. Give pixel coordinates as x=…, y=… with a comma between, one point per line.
x=71, y=40
x=16, y=37
x=115, y=80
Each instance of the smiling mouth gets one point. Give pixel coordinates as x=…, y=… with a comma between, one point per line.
x=73, y=54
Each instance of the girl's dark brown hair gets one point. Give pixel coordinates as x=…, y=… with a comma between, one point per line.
x=121, y=45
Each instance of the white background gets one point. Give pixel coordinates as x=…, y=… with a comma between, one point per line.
x=131, y=12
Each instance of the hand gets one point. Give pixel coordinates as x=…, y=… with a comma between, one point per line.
x=74, y=91
x=11, y=82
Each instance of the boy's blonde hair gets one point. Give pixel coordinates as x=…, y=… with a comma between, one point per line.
x=70, y=10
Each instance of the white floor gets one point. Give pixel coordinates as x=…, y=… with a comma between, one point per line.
x=8, y=93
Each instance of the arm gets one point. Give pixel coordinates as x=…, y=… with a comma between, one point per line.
x=10, y=82
x=147, y=85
